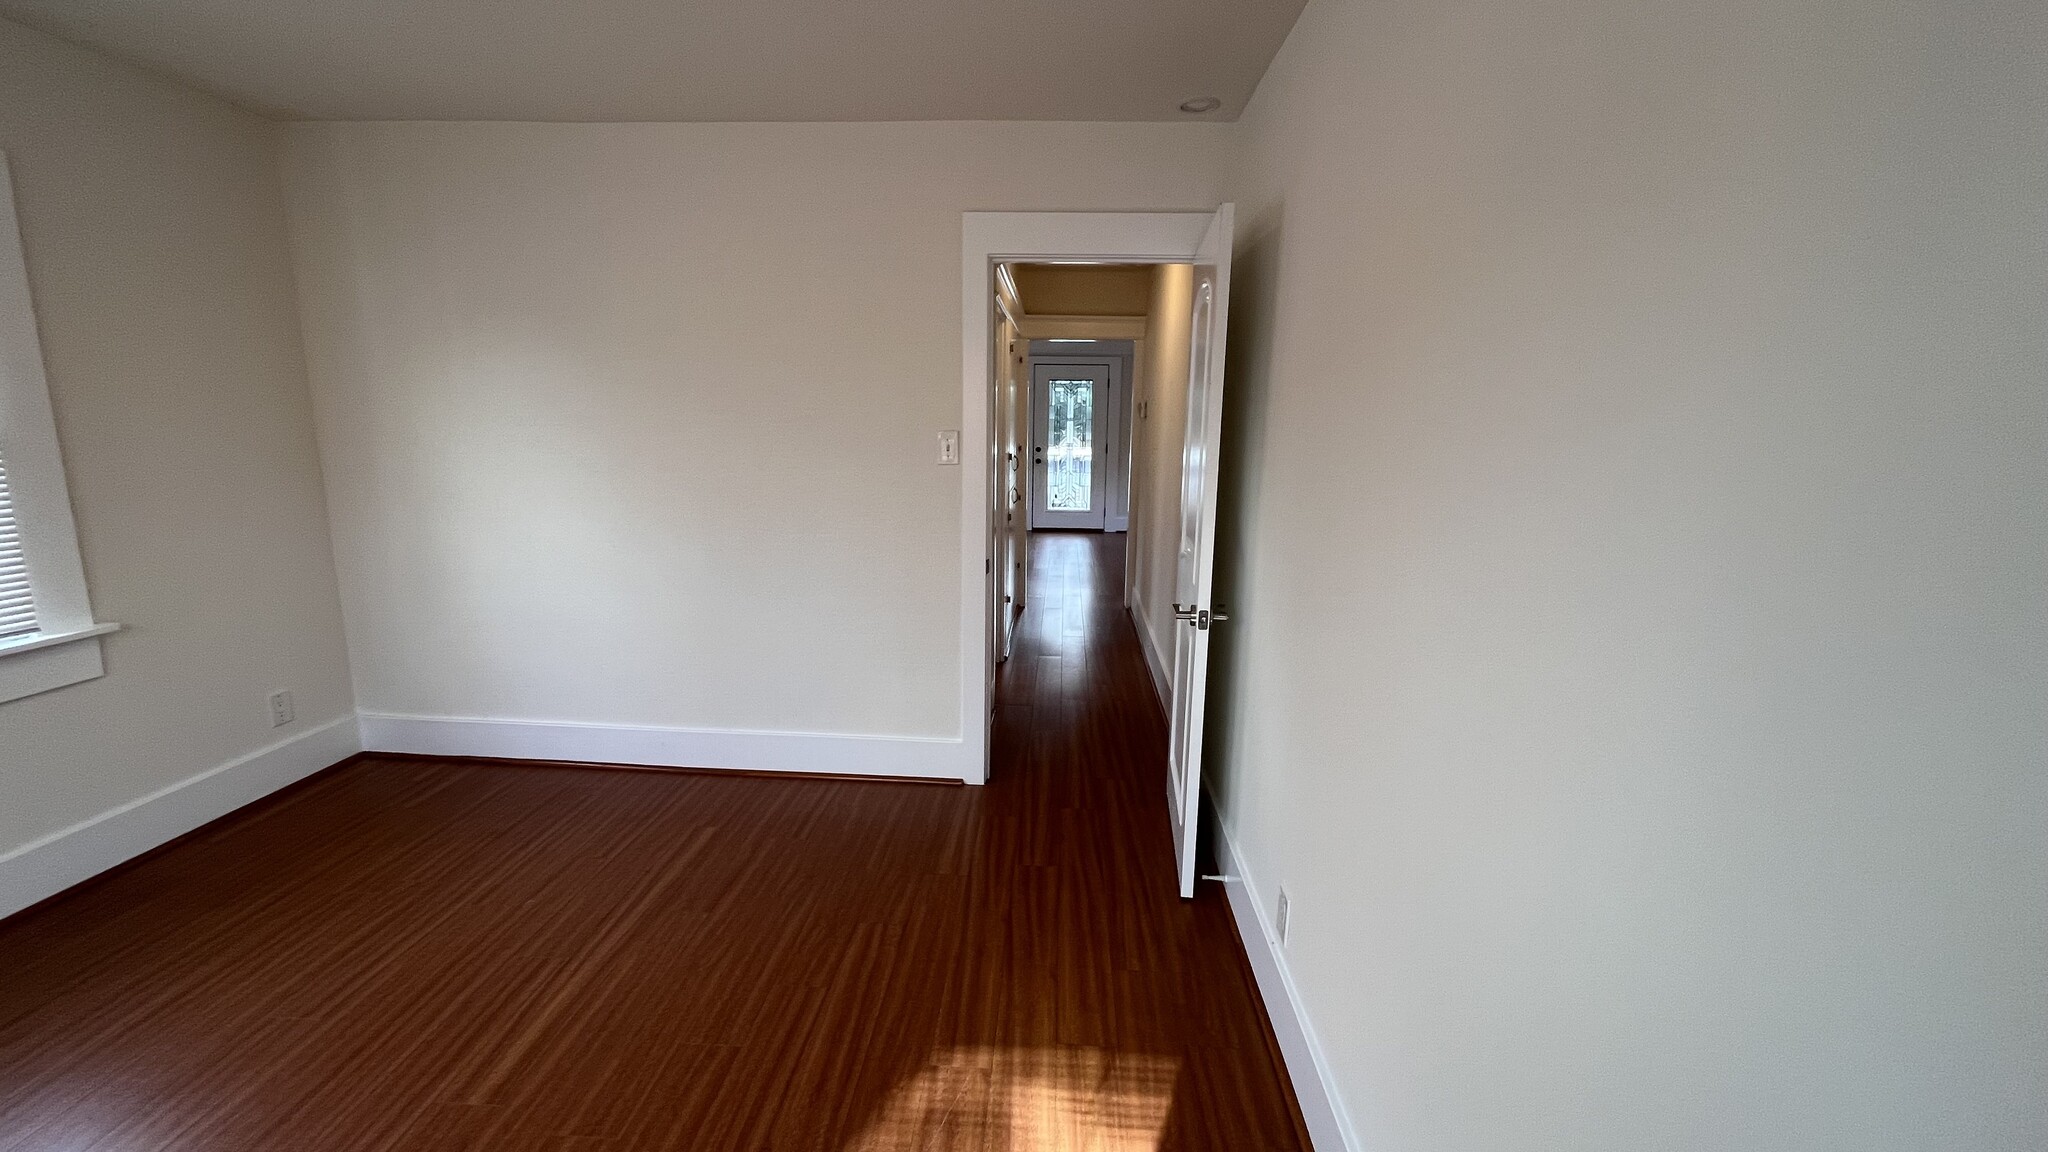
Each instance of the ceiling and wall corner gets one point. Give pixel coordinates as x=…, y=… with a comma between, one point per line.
x=656, y=60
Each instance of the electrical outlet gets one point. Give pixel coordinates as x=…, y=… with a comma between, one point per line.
x=280, y=707
x=1280, y=918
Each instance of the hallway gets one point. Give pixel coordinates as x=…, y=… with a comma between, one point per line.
x=1081, y=843
x=409, y=954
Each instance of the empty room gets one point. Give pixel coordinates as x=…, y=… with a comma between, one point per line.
x=1229, y=576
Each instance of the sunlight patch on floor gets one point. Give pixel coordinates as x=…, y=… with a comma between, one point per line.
x=994, y=1099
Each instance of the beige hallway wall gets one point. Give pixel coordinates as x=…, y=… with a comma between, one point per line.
x=1159, y=426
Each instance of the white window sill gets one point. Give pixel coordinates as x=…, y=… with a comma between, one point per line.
x=35, y=640
x=47, y=660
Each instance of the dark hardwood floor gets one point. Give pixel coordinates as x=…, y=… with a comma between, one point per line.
x=442, y=955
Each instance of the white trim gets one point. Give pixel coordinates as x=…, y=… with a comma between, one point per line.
x=35, y=640
x=44, y=667
x=1322, y=1108
x=42, y=868
x=987, y=238
x=936, y=758
x=1081, y=327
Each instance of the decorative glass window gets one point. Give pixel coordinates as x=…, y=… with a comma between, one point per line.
x=1070, y=446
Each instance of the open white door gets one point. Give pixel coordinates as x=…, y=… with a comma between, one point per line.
x=1197, y=566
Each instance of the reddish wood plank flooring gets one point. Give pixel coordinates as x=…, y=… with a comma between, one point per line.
x=405, y=955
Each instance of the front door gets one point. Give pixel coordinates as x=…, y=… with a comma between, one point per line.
x=1070, y=403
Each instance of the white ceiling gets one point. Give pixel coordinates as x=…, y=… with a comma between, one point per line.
x=694, y=59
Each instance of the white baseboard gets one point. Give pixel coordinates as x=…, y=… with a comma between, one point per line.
x=934, y=757
x=1162, y=676
x=1329, y=1125
x=42, y=868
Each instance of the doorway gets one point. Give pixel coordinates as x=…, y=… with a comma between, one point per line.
x=1060, y=421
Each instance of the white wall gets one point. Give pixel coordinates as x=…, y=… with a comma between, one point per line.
x=154, y=232
x=1640, y=664
x=634, y=424
x=1158, y=432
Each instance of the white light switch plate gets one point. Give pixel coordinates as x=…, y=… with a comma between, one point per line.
x=949, y=446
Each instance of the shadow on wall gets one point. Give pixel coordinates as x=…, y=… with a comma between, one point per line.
x=1248, y=355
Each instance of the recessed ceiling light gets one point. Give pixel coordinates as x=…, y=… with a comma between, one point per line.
x=1201, y=104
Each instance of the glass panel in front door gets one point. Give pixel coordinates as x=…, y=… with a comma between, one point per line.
x=1070, y=446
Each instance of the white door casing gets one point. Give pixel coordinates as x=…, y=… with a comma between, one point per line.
x=988, y=239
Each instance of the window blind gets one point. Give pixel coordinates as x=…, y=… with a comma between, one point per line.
x=17, y=607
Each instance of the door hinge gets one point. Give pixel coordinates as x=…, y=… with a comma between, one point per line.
x=987, y=566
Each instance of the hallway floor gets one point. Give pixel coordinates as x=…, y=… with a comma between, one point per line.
x=410, y=954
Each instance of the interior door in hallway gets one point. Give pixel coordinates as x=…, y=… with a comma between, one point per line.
x=1193, y=609
x=1069, y=414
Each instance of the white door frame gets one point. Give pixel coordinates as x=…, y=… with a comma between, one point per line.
x=987, y=238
